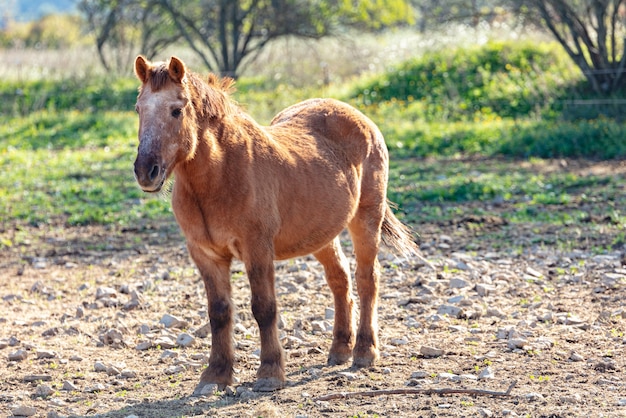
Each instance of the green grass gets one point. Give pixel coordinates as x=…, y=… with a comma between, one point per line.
x=67, y=147
x=72, y=167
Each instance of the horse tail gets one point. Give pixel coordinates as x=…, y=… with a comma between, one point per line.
x=399, y=236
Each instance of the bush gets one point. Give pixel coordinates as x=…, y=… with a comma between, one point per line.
x=504, y=79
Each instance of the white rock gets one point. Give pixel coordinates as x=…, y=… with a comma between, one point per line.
x=534, y=396
x=486, y=373
x=514, y=343
x=23, y=410
x=484, y=289
x=99, y=366
x=164, y=342
x=452, y=311
x=18, y=355
x=428, y=351
x=398, y=341
x=144, y=345
x=105, y=292
x=98, y=387
x=571, y=399
x=112, y=337
x=349, y=375
x=170, y=321
x=209, y=389
x=128, y=374
x=68, y=386
x=458, y=283
x=168, y=354
x=329, y=314
x=420, y=375
x=42, y=354
x=185, y=340
x=43, y=391
x=174, y=369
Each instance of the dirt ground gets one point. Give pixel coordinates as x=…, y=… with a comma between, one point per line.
x=523, y=329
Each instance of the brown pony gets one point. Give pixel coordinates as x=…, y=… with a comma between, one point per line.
x=261, y=194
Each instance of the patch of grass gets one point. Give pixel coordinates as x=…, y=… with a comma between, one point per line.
x=56, y=172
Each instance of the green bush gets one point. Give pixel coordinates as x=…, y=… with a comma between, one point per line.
x=506, y=79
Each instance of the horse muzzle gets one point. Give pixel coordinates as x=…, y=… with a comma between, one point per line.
x=150, y=175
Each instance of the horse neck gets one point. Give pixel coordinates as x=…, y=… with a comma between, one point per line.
x=225, y=146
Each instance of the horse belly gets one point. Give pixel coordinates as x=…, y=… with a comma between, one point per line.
x=317, y=215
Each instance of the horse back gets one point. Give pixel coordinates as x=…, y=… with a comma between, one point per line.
x=336, y=125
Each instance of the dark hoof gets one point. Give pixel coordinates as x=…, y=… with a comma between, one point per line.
x=268, y=384
x=336, y=359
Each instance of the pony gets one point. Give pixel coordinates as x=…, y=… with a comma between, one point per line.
x=264, y=193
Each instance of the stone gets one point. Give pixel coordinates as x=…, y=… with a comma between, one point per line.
x=43, y=354
x=18, y=355
x=534, y=396
x=428, y=351
x=486, y=373
x=105, y=292
x=449, y=310
x=98, y=387
x=144, y=345
x=99, y=366
x=185, y=340
x=43, y=391
x=170, y=321
x=23, y=410
x=571, y=399
x=398, y=341
x=458, y=283
x=68, y=386
x=113, y=337
x=37, y=378
x=574, y=356
x=164, y=342
x=514, y=343
x=209, y=389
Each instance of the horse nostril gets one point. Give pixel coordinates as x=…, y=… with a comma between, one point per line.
x=154, y=172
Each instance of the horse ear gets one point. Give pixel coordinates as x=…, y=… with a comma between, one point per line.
x=176, y=69
x=141, y=69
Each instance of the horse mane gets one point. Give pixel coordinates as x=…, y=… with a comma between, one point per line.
x=210, y=98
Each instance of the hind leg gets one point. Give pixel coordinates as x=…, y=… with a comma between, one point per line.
x=365, y=232
x=337, y=272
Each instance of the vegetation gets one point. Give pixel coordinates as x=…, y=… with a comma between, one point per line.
x=67, y=146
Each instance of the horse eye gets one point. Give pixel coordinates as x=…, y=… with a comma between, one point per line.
x=177, y=112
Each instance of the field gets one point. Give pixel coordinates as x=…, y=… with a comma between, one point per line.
x=524, y=315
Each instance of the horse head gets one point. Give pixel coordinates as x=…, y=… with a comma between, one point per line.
x=166, y=121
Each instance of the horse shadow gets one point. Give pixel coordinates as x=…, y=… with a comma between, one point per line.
x=211, y=405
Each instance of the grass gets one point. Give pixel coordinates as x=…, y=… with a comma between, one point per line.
x=72, y=167
x=67, y=146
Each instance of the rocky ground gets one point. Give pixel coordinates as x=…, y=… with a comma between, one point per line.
x=109, y=322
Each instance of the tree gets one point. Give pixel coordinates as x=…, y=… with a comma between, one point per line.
x=592, y=33
x=437, y=12
x=121, y=27
x=226, y=34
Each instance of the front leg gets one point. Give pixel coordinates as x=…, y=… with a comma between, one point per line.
x=271, y=373
x=216, y=277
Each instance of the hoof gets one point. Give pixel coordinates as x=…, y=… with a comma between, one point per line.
x=365, y=360
x=206, y=389
x=268, y=384
x=336, y=359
